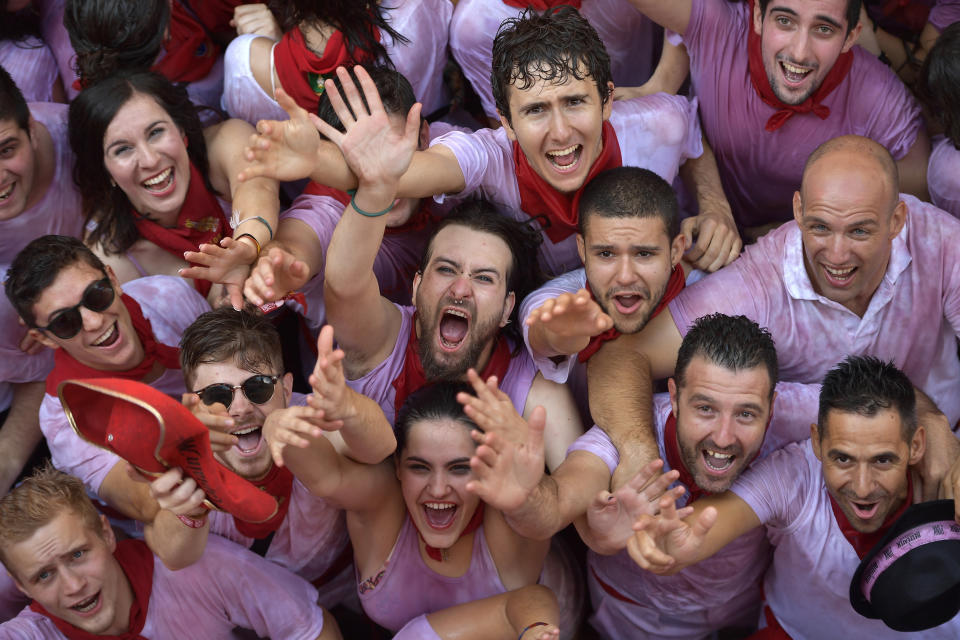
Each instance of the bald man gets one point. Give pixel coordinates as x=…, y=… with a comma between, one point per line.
x=864, y=271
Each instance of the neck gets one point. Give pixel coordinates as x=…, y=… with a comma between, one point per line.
x=122, y=611
x=44, y=163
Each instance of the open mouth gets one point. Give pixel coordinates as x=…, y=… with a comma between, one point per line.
x=627, y=303
x=440, y=515
x=249, y=440
x=454, y=324
x=7, y=191
x=794, y=74
x=565, y=160
x=108, y=338
x=161, y=183
x=865, y=510
x=88, y=605
x=717, y=462
x=839, y=277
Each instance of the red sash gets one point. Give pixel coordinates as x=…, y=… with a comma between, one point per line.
x=411, y=376
x=66, y=367
x=539, y=200
x=542, y=5
x=863, y=542
x=190, y=54
x=200, y=221
x=475, y=521
x=279, y=483
x=761, y=84
x=136, y=560
x=302, y=73
x=675, y=285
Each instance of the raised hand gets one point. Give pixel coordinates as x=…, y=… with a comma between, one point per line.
x=330, y=394
x=717, y=241
x=492, y=410
x=215, y=418
x=567, y=323
x=227, y=263
x=289, y=427
x=178, y=493
x=662, y=542
x=275, y=273
x=256, y=18
x=283, y=150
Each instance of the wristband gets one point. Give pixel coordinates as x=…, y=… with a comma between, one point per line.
x=367, y=214
x=256, y=243
x=259, y=219
x=191, y=522
x=531, y=626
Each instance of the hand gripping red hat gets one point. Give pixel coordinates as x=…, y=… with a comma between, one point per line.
x=154, y=432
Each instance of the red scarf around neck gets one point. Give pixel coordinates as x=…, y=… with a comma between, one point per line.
x=862, y=543
x=136, y=560
x=190, y=53
x=675, y=285
x=539, y=200
x=475, y=521
x=761, y=84
x=279, y=483
x=412, y=377
x=66, y=367
x=200, y=221
x=302, y=72
x=542, y=5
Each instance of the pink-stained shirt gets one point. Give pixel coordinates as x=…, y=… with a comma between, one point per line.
x=808, y=584
x=628, y=36
x=227, y=587
x=723, y=590
x=944, y=13
x=760, y=169
x=32, y=66
x=913, y=318
x=171, y=304
x=57, y=38
x=658, y=132
x=943, y=176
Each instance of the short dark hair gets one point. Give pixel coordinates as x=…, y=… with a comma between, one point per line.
x=395, y=91
x=91, y=113
x=432, y=402
x=630, y=192
x=247, y=337
x=853, y=12
x=867, y=385
x=525, y=273
x=732, y=342
x=18, y=26
x=550, y=46
x=13, y=106
x=939, y=83
x=36, y=267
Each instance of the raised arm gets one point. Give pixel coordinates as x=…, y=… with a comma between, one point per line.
x=20, y=433
x=670, y=14
x=913, y=167
x=563, y=326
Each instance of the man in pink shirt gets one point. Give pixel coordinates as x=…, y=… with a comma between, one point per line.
x=824, y=503
x=777, y=79
x=86, y=584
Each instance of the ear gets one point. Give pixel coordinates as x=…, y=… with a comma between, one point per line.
x=582, y=248
x=757, y=19
x=897, y=219
x=508, y=303
x=19, y=586
x=674, y=395
x=42, y=338
x=851, y=38
x=918, y=445
x=32, y=129
x=107, y=533
x=417, y=279
x=677, y=247
x=511, y=134
x=423, y=140
x=113, y=278
x=608, y=105
x=797, y=207
x=815, y=440
x=287, y=388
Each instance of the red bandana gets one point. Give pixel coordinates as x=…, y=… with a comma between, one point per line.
x=411, y=376
x=475, y=521
x=279, y=483
x=302, y=73
x=542, y=5
x=66, y=367
x=558, y=211
x=190, y=54
x=200, y=221
x=863, y=542
x=136, y=560
x=761, y=84
x=674, y=286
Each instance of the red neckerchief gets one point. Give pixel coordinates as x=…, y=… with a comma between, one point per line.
x=542, y=5
x=190, y=54
x=200, y=221
x=136, y=560
x=475, y=521
x=411, y=376
x=674, y=286
x=66, y=367
x=908, y=13
x=294, y=62
x=539, y=200
x=761, y=84
x=863, y=542
x=421, y=218
x=279, y=483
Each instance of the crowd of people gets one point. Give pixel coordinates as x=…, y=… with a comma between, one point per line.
x=588, y=318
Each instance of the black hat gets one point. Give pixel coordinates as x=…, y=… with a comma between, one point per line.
x=911, y=578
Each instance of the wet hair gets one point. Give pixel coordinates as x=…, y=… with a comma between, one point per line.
x=939, y=83
x=247, y=337
x=13, y=106
x=395, y=91
x=550, y=46
x=732, y=342
x=355, y=19
x=630, y=192
x=432, y=402
x=524, y=274
x=17, y=26
x=866, y=385
x=91, y=113
x=36, y=267
x=852, y=16
x=36, y=502
x=115, y=35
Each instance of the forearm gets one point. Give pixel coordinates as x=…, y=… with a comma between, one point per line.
x=355, y=242
x=318, y=466
x=542, y=514
x=702, y=177
x=130, y=498
x=367, y=434
x=549, y=344
x=672, y=69
x=913, y=167
x=299, y=240
x=20, y=433
x=253, y=199
x=177, y=544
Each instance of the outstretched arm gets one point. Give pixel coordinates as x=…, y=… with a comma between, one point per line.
x=712, y=237
x=563, y=326
x=671, y=14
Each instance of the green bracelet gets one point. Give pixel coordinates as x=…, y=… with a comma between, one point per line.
x=261, y=220
x=353, y=203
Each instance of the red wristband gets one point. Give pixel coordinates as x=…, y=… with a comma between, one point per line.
x=192, y=523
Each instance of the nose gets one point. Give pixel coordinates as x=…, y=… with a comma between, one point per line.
x=724, y=435
x=461, y=287
x=239, y=406
x=625, y=273
x=92, y=320
x=148, y=155
x=837, y=252
x=559, y=126
x=862, y=481
x=437, y=486
x=72, y=581
x=799, y=47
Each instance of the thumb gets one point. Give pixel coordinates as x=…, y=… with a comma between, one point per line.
x=702, y=524
x=412, y=128
x=689, y=228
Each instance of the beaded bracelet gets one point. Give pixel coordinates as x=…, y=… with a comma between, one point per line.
x=256, y=243
x=353, y=203
x=530, y=626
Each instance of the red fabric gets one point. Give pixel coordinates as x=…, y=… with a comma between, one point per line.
x=539, y=199
x=909, y=13
x=863, y=542
x=773, y=630
x=411, y=376
x=316, y=189
x=761, y=84
x=66, y=367
x=542, y=5
x=200, y=221
x=294, y=61
x=217, y=14
x=278, y=483
x=475, y=521
x=190, y=54
x=675, y=285
x=610, y=590
x=136, y=560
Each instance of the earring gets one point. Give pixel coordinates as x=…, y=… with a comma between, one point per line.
x=113, y=183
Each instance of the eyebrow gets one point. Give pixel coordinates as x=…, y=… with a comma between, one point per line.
x=124, y=141
x=429, y=464
x=822, y=18
x=7, y=141
x=884, y=454
x=459, y=266
x=634, y=247
x=866, y=222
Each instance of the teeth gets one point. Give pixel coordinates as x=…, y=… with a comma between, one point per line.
x=839, y=272
x=456, y=312
x=105, y=336
x=440, y=506
x=158, y=178
x=793, y=68
x=6, y=192
x=242, y=432
x=86, y=605
x=563, y=152
x=721, y=456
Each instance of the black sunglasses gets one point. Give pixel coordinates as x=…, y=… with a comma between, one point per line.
x=257, y=389
x=66, y=323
